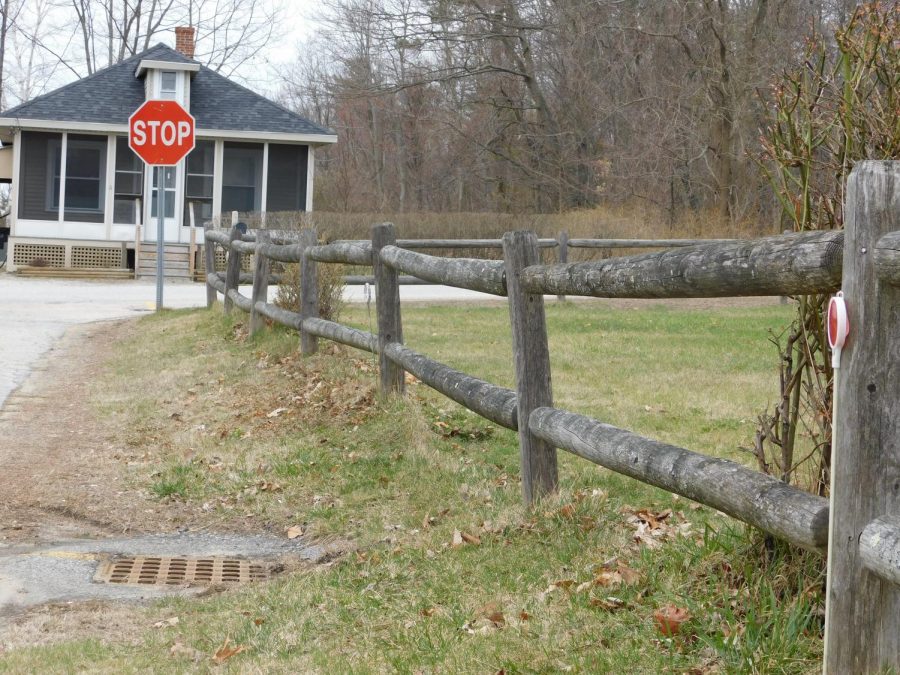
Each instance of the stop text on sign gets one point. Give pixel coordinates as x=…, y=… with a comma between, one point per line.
x=165, y=132
x=161, y=132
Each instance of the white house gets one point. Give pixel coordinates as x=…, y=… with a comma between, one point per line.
x=80, y=197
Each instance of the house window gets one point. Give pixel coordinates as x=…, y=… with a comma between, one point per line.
x=35, y=172
x=85, y=162
x=168, y=84
x=199, y=183
x=286, y=184
x=85, y=177
x=242, y=177
x=129, y=184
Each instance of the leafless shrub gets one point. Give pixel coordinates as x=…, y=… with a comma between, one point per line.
x=331, y=290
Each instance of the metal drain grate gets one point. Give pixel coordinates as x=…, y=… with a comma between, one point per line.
x=174, y=571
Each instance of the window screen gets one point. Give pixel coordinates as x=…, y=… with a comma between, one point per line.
x=168, y=84
x=39, y=163
x=242, y=177
x=85, y=177
x=199, y=183
x=286, y=184
x=129, y=187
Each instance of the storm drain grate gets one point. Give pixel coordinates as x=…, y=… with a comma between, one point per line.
x=174, y=571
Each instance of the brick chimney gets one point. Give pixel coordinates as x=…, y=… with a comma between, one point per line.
x=184, y=40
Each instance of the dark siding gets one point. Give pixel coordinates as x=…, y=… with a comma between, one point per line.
x=33, y=204
x=287, y=178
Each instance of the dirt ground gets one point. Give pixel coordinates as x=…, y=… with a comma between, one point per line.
x=64, y=475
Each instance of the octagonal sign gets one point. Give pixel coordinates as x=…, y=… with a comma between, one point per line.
x=161, y=132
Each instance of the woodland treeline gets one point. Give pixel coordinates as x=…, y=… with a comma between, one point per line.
x=516, y=106
x=546, y=106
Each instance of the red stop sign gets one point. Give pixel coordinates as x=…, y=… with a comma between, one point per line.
x=161, y=132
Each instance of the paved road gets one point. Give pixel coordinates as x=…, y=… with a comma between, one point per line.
x=34, y=313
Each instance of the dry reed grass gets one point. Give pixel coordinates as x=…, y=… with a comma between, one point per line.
x=618, y=221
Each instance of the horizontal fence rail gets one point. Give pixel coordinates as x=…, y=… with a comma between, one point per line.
x=861, y=528
x=879, y=548
x=887, y=258
x=279, y=315
x=363, y=279
x=346, y=252
x=745, y=494
x=494, y=403
x=486, y=276
x=240, y=301
x=642, y=243
x=345, y=335
x=794, y=264
x=289, y=253
x=454, y=243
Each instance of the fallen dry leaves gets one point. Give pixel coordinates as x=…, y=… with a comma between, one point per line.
x=670, y=618
x=166, y=623
x=609, y=603
x=651, y=528
x=225, y=652
x=294, y=531
x=488, y=618
x=461, y=538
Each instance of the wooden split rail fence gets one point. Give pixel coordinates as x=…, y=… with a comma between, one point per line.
x=862, y=534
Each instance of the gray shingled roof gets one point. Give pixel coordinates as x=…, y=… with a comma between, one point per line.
x=109, y=96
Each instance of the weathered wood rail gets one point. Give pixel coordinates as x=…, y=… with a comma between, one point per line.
x=859, y=529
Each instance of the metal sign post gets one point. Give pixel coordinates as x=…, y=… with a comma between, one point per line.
x=160, y=234
x=161, y=133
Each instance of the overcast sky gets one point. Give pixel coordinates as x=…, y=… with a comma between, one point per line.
x=62, y=37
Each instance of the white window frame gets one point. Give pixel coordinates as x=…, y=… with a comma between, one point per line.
x=173, y=200
x=139, y=198
x=187, y=174
x=260, y=171
x=167, y=94
x=63, y=146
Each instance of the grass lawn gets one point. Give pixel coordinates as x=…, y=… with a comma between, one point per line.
x=442, y=569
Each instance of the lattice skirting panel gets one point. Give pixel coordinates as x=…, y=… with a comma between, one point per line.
x=222, y=258
x=39, y=255
x=97, y=257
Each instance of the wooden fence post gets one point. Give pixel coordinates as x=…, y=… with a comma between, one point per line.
x=862, y=625
x=563, y=255
x=387, y=304
x=137, y=250
x=260, y=284
x=531, y=357
x=233, y=270
x=209, y=255
x=309, y=291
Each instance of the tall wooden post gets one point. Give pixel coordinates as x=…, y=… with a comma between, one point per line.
x=309, y=290
x=233, y=269
x=563, y=254
x=531, y=357
x=260, y=283
x=387, y=304
x=209, y=256
x=137, y=250
x=862, y=626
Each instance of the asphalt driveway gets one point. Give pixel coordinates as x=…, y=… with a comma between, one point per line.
x=34, y=313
